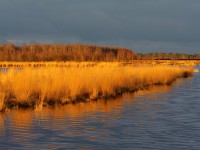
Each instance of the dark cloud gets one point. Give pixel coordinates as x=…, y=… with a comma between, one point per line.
x=143, y=25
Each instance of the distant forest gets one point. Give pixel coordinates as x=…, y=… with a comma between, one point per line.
x=64, y=52
x=79, y=52
x=168, y=56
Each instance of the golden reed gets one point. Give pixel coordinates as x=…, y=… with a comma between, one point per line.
x=132, y=63
x=30, y=87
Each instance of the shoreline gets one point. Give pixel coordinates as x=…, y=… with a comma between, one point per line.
x=58, y=103
x=35, y=88
x=35, y=106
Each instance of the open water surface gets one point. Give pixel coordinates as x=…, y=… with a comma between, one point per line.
x=163, y=117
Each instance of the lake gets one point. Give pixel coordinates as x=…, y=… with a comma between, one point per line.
x=163, y=117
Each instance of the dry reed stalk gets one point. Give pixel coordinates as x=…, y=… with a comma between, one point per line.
x=99, y=64
x=59, y=84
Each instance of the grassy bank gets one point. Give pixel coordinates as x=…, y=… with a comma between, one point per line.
x=35, y=87
x=99, y=64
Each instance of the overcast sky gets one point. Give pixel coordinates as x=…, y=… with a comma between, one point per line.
x=142, y=25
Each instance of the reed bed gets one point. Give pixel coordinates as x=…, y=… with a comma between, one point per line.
x=99, y=64
x=36, y=87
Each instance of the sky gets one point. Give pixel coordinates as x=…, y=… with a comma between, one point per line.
x=141, y=25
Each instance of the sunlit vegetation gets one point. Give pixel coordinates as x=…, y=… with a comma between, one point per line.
x=63, y=52
x=36, y=87
x=42, y=74
x=80, y=52
x=134, y=63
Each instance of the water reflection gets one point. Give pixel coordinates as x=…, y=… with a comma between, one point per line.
x=22, y=117
x=64, y=122
x=1, y=122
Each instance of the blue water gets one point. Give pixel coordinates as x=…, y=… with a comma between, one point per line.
x=164, y=117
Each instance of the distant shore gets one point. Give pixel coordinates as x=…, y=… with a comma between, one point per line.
x=8, y=64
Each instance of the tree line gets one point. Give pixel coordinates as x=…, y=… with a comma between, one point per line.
x=80, y=52
x=168, y=56
x=64, y=52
